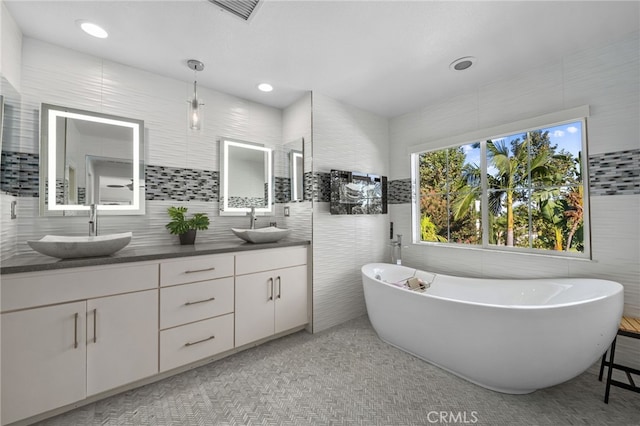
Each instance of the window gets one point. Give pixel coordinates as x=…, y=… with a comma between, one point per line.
x=520, y=191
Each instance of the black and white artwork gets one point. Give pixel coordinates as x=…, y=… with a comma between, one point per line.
x=358, y=193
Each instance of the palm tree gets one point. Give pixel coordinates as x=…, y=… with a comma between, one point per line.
x=515, y=166
x=575, y=203
x=553, y=212
x=469, y=190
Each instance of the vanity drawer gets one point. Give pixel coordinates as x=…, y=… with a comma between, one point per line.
x=267, y=260
x=186, y=303
x=197, y=268
x=32, y=289
x=192, y=342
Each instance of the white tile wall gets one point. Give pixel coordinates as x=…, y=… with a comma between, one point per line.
x=604, y=77
x=537, y=92
x=455, y=115
x=296, y=124
x=345, y=138
x=10, y=47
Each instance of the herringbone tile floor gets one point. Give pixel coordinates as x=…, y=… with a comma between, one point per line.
x=346, y=376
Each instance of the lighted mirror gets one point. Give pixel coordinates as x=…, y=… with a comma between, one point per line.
x=246, y=177
x=90, y=158
x=294, y=151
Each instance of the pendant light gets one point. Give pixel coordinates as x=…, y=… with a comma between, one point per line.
x=195, y=112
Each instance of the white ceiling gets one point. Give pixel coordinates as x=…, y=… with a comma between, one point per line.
x=388, y=57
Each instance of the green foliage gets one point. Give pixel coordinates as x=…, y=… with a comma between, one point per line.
x=428, y=231
x=449, y=188
x=534, y=194
x=180, y=224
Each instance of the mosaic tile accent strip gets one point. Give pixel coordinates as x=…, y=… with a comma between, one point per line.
x=400, y=191
x=308, y=186
x=172, y=183
x=241, y=202
x=10, y=176
x=282, y=189
x=322, y=187
x=62, y=188
x=20, y=173
x=615, y=173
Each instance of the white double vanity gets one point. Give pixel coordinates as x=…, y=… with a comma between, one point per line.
x=77, y=331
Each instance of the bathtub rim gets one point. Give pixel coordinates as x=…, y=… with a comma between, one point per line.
x=619, y=288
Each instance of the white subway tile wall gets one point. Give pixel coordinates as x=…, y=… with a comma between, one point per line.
x=344, y=138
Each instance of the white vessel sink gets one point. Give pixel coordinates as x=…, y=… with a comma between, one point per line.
x=261, y=235
x=75, y=247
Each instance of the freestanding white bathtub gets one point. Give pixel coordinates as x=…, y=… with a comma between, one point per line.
x=511, y=336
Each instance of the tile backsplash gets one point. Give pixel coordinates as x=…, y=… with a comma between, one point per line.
x=613, y=173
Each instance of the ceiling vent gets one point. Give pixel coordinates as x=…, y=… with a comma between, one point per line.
x=241, y=8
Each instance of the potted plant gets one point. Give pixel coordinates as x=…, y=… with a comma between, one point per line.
x=186, y=228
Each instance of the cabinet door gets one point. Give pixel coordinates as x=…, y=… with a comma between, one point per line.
x=122, y=339
x=43, y=359
x=290, y=298
x=254, y=307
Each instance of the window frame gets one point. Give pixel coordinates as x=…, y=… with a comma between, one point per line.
x=578, y=114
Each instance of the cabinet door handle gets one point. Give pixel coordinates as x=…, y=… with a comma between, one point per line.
x=95, y=322
x=75, y=331
x=270, y=281
x=279, y=296
x=199, y=301
x=200, y=341
x=213, y=268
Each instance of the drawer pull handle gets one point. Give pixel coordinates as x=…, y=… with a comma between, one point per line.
x=75, y=331
x=270, y=282
x=213, y=268
x=279, y=296
x=199, y=301
x=199, y=341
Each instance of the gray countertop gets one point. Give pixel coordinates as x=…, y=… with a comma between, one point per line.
x=38, y=262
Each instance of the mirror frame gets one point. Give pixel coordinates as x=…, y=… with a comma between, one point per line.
x=48, y=117
x=225, y=210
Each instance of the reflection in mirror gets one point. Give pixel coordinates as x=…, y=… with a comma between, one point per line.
x=294, y=152
x=246, y=177
x=109, y=181
x=10, y=112
x=296, y=165
x=90, y=158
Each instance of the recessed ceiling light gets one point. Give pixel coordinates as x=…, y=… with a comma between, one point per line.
x=92, y=29
x=462, y=64
x=265, y=87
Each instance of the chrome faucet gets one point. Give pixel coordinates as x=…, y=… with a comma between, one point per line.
x=396, y=250
x=253, y=218
x=93, y=220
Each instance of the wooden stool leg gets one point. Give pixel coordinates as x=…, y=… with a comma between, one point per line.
x=608, y=386
x=604, y=357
